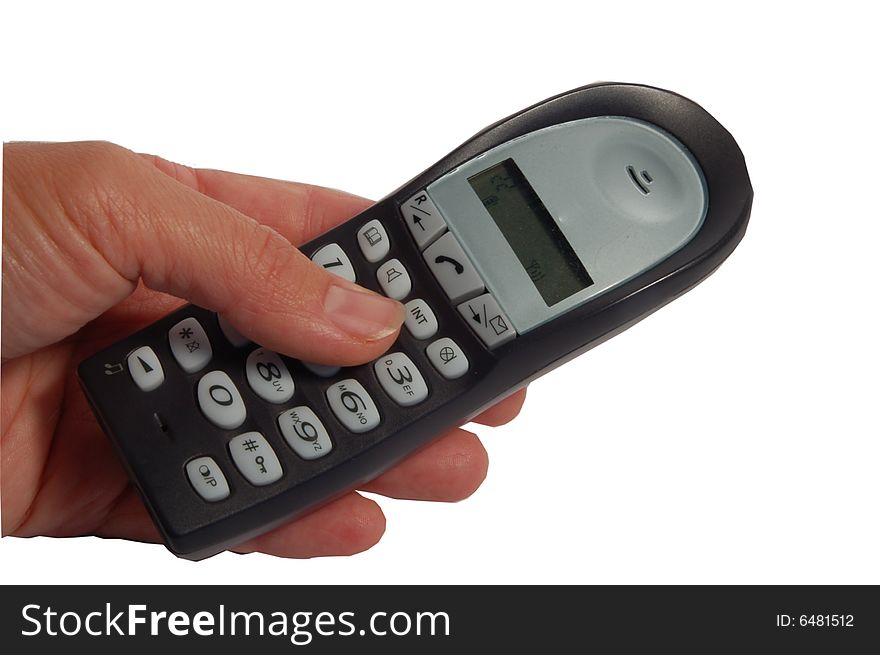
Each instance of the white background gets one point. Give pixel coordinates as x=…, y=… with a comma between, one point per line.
x=731, y=437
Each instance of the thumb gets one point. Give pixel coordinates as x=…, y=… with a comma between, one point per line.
x=116, y=219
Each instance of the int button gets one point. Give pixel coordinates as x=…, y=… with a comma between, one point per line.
x=420, y=319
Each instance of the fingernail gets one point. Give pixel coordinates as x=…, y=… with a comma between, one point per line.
x=362, y=314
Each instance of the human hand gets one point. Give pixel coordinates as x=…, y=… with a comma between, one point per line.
x=98, y=242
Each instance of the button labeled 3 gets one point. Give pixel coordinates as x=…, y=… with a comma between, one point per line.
x=207, y=479
x=401, y=379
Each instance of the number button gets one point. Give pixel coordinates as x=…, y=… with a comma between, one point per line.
x=207, y=479
x=401, y=379
x=353, y=406
x=232, y=335
x=268, y=376
x=322, y=370
x=190, y=345
x=373, y=241
x=422, y=218
x=420, y=319
x=255, y=459
x=220, y=401
x=145, y=368
x=333, y=258
x=448, y=358
x=304, y=432
x=394, y=279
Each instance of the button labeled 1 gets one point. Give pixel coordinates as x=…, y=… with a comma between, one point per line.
x=333, y=258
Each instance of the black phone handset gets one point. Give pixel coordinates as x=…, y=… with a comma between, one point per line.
x=537, y=239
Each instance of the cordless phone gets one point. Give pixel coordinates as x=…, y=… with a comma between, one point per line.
x=537, y=239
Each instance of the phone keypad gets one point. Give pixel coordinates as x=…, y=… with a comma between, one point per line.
x=314, y=429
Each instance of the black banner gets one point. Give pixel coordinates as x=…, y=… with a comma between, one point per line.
x=439, y=619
